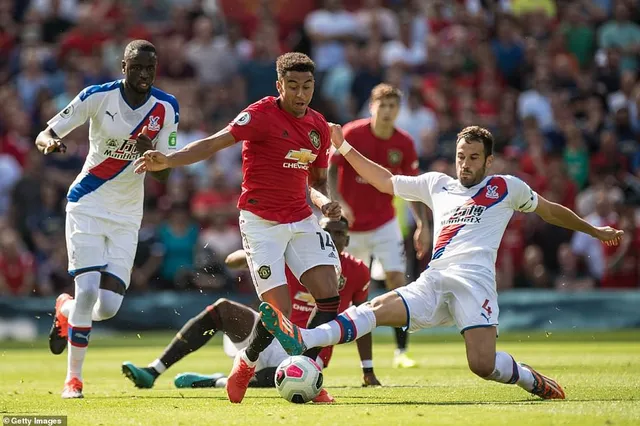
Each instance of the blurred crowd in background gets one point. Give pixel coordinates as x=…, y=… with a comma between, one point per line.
x=555, y=81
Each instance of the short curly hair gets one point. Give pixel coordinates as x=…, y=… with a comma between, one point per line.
x=477, y=134
x=294, y=61
x=384, y=91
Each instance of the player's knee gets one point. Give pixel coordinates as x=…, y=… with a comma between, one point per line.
x=326, y=290
x=220, y=305
x=321, y=281
x=482, y=366
x=87, y=289
x=110, y=303
x=219, y=309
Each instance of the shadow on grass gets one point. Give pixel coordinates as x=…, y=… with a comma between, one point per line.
x=364, y=400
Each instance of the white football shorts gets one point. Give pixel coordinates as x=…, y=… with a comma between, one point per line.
x=99, y=244
x=385, y=244
x=460, y=295
x=302, y=245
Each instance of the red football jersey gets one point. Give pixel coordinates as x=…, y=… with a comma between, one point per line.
x=371, y=207
x=277, y=153
x=353, y=287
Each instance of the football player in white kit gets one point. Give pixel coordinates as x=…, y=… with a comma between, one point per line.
x=458, y=287
x=104, y=209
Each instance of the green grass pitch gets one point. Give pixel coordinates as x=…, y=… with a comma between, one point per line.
x=599, y=371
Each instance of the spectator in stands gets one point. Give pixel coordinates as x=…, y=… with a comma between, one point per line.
x=328, y=29
x=564, y=116
x=46, y=226
x=211, y=56
x=570, y=276
x=589, y=250
x=17, y=266
x=623, y=34
x=535, y=274
x=178, y=236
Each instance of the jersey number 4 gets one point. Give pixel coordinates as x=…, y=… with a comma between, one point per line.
x=325, y=241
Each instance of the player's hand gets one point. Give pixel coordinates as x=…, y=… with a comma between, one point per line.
x=332, y=210
x=55, y=145
x=370, y=379
x=421, y=241
x=608, y=235
x=151, y=161
x=337, y=137
x=143, y=141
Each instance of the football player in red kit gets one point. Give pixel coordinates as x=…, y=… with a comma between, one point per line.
x=285, y=155
x=375, y=231
x=237, y=321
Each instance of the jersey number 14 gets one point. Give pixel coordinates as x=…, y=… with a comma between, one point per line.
x=325, y=241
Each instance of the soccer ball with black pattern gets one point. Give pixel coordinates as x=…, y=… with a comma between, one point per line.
x=299, y=379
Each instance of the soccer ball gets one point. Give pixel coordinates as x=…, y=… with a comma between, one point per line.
x=298, y=379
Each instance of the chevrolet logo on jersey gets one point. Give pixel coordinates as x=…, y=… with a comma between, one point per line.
x=305, y=297
x=302, y=158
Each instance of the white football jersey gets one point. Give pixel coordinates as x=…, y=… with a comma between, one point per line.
x=468, y=222
x=107, y=185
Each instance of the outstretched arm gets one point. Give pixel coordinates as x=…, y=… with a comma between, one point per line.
x=559, y=215
x=373, y=173
x=201, y=149
x=192, y=153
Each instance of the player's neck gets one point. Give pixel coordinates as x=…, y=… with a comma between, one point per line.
x=133, y=98
x=381, y=131
x=285, y=109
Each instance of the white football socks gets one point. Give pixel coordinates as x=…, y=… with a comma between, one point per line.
x=507, y=370
x=353, y=323
x=87, y=286
x=158, y=366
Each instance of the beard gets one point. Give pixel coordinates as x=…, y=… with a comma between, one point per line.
x=475, y=179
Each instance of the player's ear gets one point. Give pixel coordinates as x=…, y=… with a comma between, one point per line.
x=489, y=161
x=346, y=242
x=124, y=67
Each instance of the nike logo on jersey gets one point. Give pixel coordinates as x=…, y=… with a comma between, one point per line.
x=111, y=115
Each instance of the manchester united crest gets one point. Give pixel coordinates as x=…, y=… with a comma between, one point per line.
x=394, y=157
x=314, y=137
x=342, y=281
